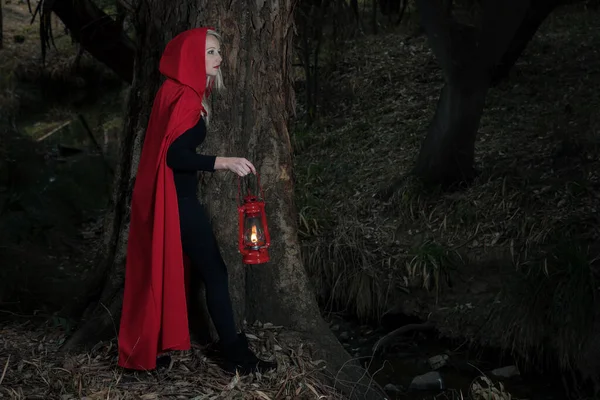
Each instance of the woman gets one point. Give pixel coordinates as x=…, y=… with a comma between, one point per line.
x=168, y=222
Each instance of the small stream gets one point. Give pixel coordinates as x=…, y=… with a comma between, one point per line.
x=445, y=366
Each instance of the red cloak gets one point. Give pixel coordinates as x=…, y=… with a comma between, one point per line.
x=154, y=315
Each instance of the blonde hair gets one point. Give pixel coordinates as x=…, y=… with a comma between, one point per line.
x=215, y=81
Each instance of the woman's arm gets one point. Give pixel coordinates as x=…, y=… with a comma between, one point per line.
x=181, y=157
x=237, y=165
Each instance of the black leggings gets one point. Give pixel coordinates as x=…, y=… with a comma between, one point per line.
x=200, y=245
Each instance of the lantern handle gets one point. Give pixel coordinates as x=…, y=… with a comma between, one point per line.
x=239, y=194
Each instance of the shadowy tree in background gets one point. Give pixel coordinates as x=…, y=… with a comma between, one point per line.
x=321, y=23
x=93, y=29
x=393, y=8
x=1, y=27
x=471, y=59
x=537, y=13
x=310, y=18
x=354, y=7
x=251, y=120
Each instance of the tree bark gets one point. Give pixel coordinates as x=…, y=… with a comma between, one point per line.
x=466, y=55
x=251, y=120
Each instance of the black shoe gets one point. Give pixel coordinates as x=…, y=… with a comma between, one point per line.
x=238, y=356
x=163, y=362
x=216, y=349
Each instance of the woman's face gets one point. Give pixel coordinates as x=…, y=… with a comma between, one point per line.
x=213, y=55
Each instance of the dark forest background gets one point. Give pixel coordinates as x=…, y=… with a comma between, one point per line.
x=444, y=190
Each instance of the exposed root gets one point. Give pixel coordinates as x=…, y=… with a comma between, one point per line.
x=389, y=338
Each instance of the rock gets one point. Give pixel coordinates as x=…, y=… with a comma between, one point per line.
x=344, y=336
x=429, y=381
x=391, y=388
x=439, y=361
x=506, y=372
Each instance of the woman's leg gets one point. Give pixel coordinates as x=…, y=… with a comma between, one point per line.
x=200, y=245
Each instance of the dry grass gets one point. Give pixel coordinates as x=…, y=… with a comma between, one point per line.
x=32, y=368
x=538, y=153
x=482, y=388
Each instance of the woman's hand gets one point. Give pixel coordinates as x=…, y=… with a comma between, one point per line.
x=237, y=165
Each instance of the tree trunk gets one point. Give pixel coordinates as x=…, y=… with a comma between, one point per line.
x=354, y=6
x=1, y=27
x=449, y=147
x=466, y=55
x=374, y=16
x=250, y=119
x=537, y=13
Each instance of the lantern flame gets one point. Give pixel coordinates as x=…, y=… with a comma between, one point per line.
x=254, y=235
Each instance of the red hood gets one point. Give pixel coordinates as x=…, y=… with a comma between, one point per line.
x=184, y=59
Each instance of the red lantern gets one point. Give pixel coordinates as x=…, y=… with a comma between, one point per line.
x=254, y=238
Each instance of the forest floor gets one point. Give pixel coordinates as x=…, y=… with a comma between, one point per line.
x=33, y=368
x=498, y=264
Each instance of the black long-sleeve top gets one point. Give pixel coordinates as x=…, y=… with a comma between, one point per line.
x=185, y=162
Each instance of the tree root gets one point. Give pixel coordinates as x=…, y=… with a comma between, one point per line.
x=100, y=326
x=387, y=339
